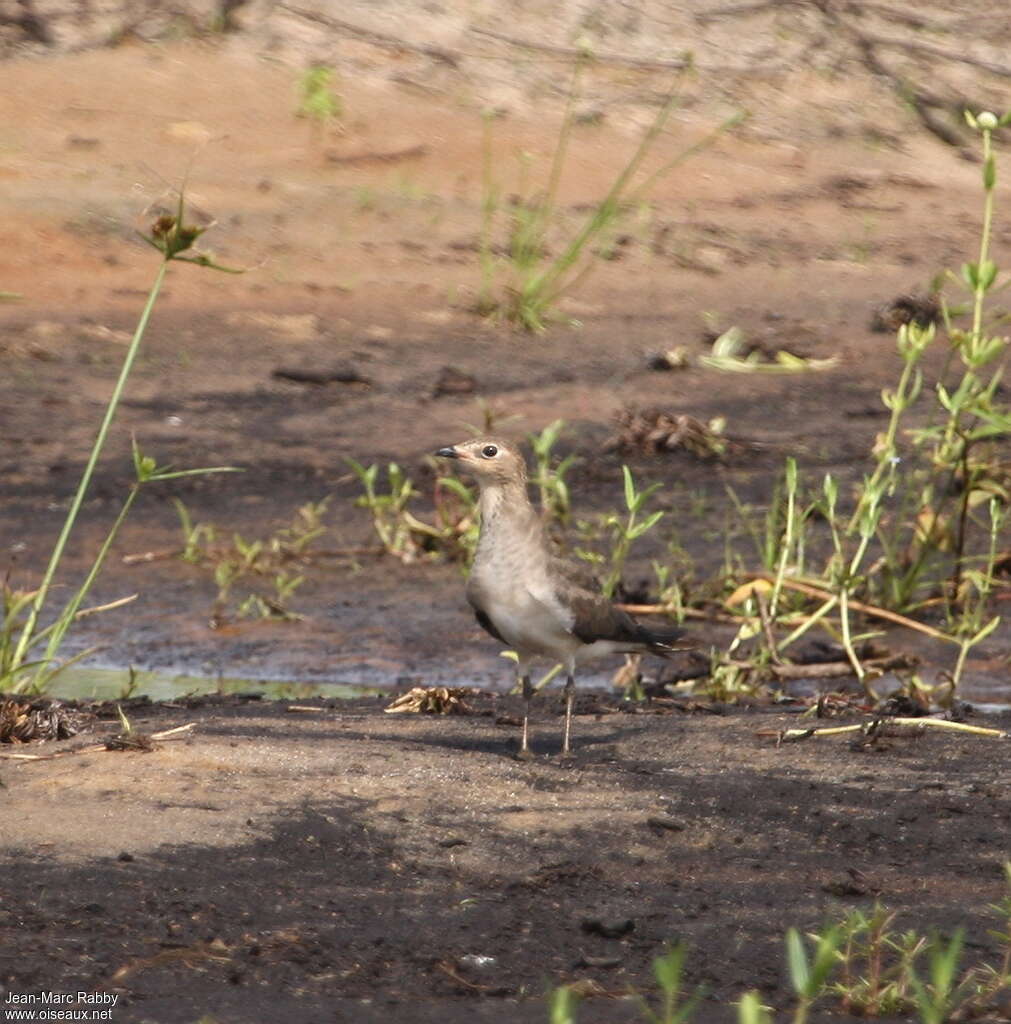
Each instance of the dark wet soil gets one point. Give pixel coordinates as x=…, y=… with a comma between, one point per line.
x=342, y=864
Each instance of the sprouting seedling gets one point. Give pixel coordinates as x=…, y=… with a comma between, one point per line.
x=550, y=480
x=751, y=1010
x=668, y=969
x=808, y=976
x=317, y=100
x=124, y=722
x=625, y=530
x=562, y=1005
x=937, y=997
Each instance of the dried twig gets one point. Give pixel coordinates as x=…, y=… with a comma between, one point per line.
x=792, y=735
x=377, y=157
x=95, y=748
x=158, y=555
x=175, y=732
x=687, y=613
x=868, y=609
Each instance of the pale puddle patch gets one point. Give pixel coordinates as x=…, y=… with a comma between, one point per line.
x=116, y=684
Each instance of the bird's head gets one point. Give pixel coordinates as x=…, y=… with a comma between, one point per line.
x=490, y=459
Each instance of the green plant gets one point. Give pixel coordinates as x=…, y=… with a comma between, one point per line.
x=626, y=529
x=878, y=973
x=401, y=533
x=751, y=1010
x=870, y=968
x=550, y=480
x=197, y=537
x=808, y=976
x=953, y=462
x=536, y=280
x=24, y=666
x=262, y=566
x=674, y=581
x=317, y=101
x=926, y=519
x=940, y=994
x=562, y=1004
x=388, y=509
x=971, y=624
x=668, y=969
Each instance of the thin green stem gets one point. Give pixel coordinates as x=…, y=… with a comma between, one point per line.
x=847, y=641
x=984, y=244
x=558, y=159
x=784, y=555
x=809, y=622
x=67, y=616
x=605, y=210
x=68, y=524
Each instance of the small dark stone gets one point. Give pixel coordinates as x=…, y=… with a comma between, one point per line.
x=343, y=373
x=452, y=381
x=599, y=961
x=125, y=857
x=843, y=887
x=663, y=823
x=610, y=928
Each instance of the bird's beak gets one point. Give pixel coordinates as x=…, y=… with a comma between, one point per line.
x=447, y=453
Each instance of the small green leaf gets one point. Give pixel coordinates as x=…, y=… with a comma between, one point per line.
x=667, y=968
x=750, y=1009
x=629, y=488
x=987, y=629
x=563, y=1005
x=796, y=957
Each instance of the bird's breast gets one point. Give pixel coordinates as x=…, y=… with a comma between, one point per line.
x=523, y=608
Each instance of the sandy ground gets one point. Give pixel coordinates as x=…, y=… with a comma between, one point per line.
x=345, y=864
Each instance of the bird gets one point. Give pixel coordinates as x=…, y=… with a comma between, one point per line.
x=526, y=596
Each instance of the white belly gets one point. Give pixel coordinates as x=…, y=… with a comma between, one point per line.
x=533, y=627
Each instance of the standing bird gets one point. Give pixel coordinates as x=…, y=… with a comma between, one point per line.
x=527, y=597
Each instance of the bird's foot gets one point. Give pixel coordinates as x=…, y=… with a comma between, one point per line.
x=525, y=754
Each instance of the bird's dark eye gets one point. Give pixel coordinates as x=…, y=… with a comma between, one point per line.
x=489, y=451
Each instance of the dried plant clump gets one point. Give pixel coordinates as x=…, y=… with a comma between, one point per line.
x=27, y=721
x=434, y=700
x=655, y=431
x=921, y=310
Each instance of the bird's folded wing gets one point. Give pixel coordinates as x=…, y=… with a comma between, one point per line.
x=574, y=574
x=594, y=618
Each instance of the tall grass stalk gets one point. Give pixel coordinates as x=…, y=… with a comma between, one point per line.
x=28, y=631
x=172, y=237
x=537, y=281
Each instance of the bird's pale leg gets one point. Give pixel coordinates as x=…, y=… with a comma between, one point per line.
x=570, y=692
x=528, y=693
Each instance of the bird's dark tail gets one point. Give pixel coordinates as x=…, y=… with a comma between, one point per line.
x=665, y=640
